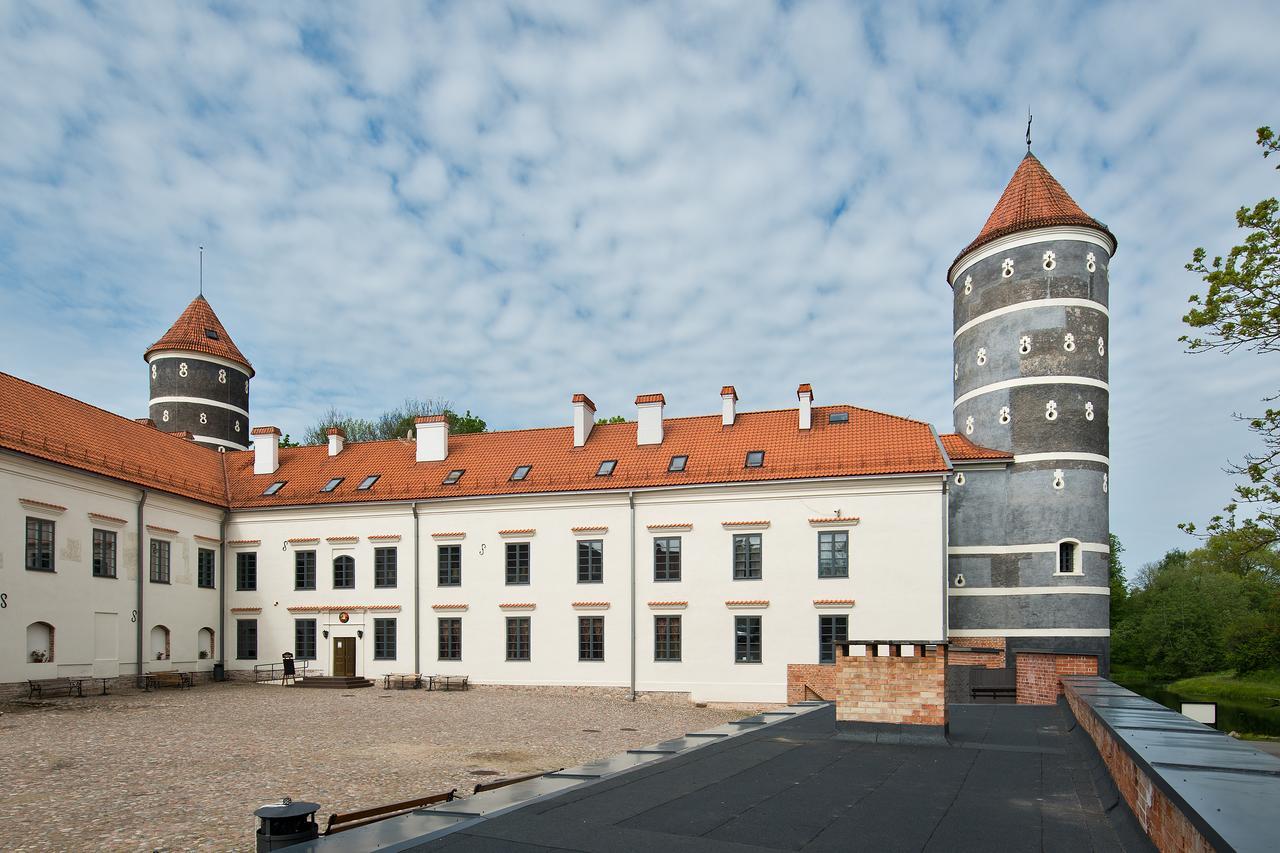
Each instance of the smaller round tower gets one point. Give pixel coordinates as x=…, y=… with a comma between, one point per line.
x=200, y=380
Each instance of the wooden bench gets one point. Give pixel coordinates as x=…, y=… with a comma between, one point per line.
x=39, y=686
x=992, y=684
x=352, y=820
x=402, y=681
x=447, y=682
x=169, y=679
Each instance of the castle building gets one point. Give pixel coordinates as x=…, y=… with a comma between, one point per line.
x=723, y=556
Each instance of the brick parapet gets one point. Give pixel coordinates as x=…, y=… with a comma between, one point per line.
x=893, y=688
x=1039, y=675
x=809, y=681
x=989, y=661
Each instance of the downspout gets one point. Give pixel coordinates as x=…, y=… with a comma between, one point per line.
x=142, y=502
x=631, y=502
x=417, y=597
x=222, y=591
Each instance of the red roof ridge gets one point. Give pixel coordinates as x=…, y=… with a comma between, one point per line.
x=960, y=447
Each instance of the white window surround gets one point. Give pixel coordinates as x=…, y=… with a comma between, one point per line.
x=1077, y=551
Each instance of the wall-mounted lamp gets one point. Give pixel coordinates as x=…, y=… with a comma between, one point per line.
x=360, y=634
x=326, y=634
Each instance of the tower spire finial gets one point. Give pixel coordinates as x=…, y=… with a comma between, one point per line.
x=202, y=270
x=1028, y=128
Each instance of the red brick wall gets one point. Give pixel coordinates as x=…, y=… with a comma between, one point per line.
x=893, y=689
x=1164, y=822
x=955, y=658
x=1039, y=675
x=805, y=680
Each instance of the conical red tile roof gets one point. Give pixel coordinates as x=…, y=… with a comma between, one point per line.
x=191, y=333
x=1033, y=199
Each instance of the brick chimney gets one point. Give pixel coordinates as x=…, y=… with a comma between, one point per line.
x=649, y=418
x=584, y=418
x=266, y=449
x=805, y=394
x=728, y=407
x=337, y=438
x=433, y=438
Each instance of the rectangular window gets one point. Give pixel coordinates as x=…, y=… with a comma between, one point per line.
x=521, y=472
x=832, y=630
x=606, y=468
x=666, y=558
x=204, y=568
x=332, y=484
x=384, y=567
x=304, y=639
x=677, y=463
x=384, y=639
x=344, y=572
x=453, y=476
x=590, y=561
x=746, y=640
x=104, y=554
x=246, y=639
x=247, y=570
x=304, y=570
x=747, y=556
x=39, y=545
x=1066, y=558
x=517, y=563
x=450, y=639
x=666, y=638
x=159, y=561
x=367, y=483
x=517, y=638
x=838, y=418
x=755, y=459
x=449, y=565
x=590, y=638
x=833, y=554
x=274, y=487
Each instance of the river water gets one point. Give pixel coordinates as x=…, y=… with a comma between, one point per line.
x=1233, y=715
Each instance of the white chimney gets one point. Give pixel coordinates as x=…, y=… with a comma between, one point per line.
x=805, y=395
x=649, y=417
x=584, y=418
x=337, y=438
x=728, y=411
x=433, y=438
x=266, y=449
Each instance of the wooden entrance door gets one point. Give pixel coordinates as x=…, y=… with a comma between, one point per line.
x=344, y=656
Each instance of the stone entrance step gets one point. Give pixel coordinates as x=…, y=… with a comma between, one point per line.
x=333, y=682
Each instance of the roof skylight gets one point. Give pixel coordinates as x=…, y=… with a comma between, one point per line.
x=521, y=472
x=367, y=482
x=677, y=464
x=755, y=459
x=275, y=487
x=606, y=467
x=838, y=418
x=332, y=484
x=454, y=476
x=211, y=334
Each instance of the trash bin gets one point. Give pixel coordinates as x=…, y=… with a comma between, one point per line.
x=286, y=823
x=219, y=672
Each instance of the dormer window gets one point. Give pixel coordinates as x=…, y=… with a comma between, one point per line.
x=211, y=334
x=755, y=459
x=606, y=468
x=367, y=483
x=274, y=487
x=521, y=472
x=454, y=476
x=677, y=464
x=332, y=484
x=838, y=418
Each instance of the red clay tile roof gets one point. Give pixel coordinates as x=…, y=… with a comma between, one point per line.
x=265, y=430
x=870, y=443
x=431, y=419
x=729, y=391
x=583, y=398
x=57, y=428
x=650, y=398
x=188, y=333
x=805, y=388
x=959, y=447
x=1033, y=199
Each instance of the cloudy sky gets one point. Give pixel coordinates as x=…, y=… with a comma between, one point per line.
x=505, y=203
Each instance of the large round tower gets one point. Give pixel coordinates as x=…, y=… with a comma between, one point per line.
x=1030, y=538
x=200, y=380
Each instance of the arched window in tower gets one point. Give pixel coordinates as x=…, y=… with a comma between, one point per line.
x=1024, y=344
x=1068, y=557
x=1069, y=342
x=1050, y=260
x=1006, y=268
x=982, y=356
x=1090, y=262
x=1051, y=410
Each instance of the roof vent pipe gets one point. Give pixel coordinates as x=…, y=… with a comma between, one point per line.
x=728, y=407
x=584, y=418
x=433, y=438
x=805, y=394
x=266, y=449
x=337, y=438
x=649, y=418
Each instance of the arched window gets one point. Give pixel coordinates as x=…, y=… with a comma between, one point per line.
x=160, y=643
x=344, y=572
x=1069, y=557
x=39, y=642
x=204, y=643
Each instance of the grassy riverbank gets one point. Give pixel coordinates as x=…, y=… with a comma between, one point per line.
x=1258, y=686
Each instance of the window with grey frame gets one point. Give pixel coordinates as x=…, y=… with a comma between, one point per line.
x=160, y=552
x=448, y=565
x=1066, y=558
x=832, y=631
x=450, y=638
x=590, y=561
x=304, y=570
x=344, y=572
x=748, y=556
x=590, y=638
x=246, y=639
x=304, y=639
x=384, y=639
x=205, y=565
x=833, y=554
x=247, y=570
x=518, y=638
x=666, y=638
x=517, y=563
x=104, y=553
x=748, y=645
x=384, y=567
x=666, y=558
x=39, y=545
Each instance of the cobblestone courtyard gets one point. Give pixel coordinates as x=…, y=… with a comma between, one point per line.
x=182, y=770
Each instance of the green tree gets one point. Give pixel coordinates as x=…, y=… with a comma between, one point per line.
x=1119, y=588
x=393, y=423
x=616, y=419
x=287, y=441
x=1241, y=308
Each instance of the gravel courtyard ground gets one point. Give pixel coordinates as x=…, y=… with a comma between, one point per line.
x=184, y=770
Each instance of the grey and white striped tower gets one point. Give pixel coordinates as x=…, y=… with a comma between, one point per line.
x=1029, y=540
x=200, y=380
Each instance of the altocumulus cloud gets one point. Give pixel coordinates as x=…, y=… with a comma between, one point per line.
x=503, y=204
